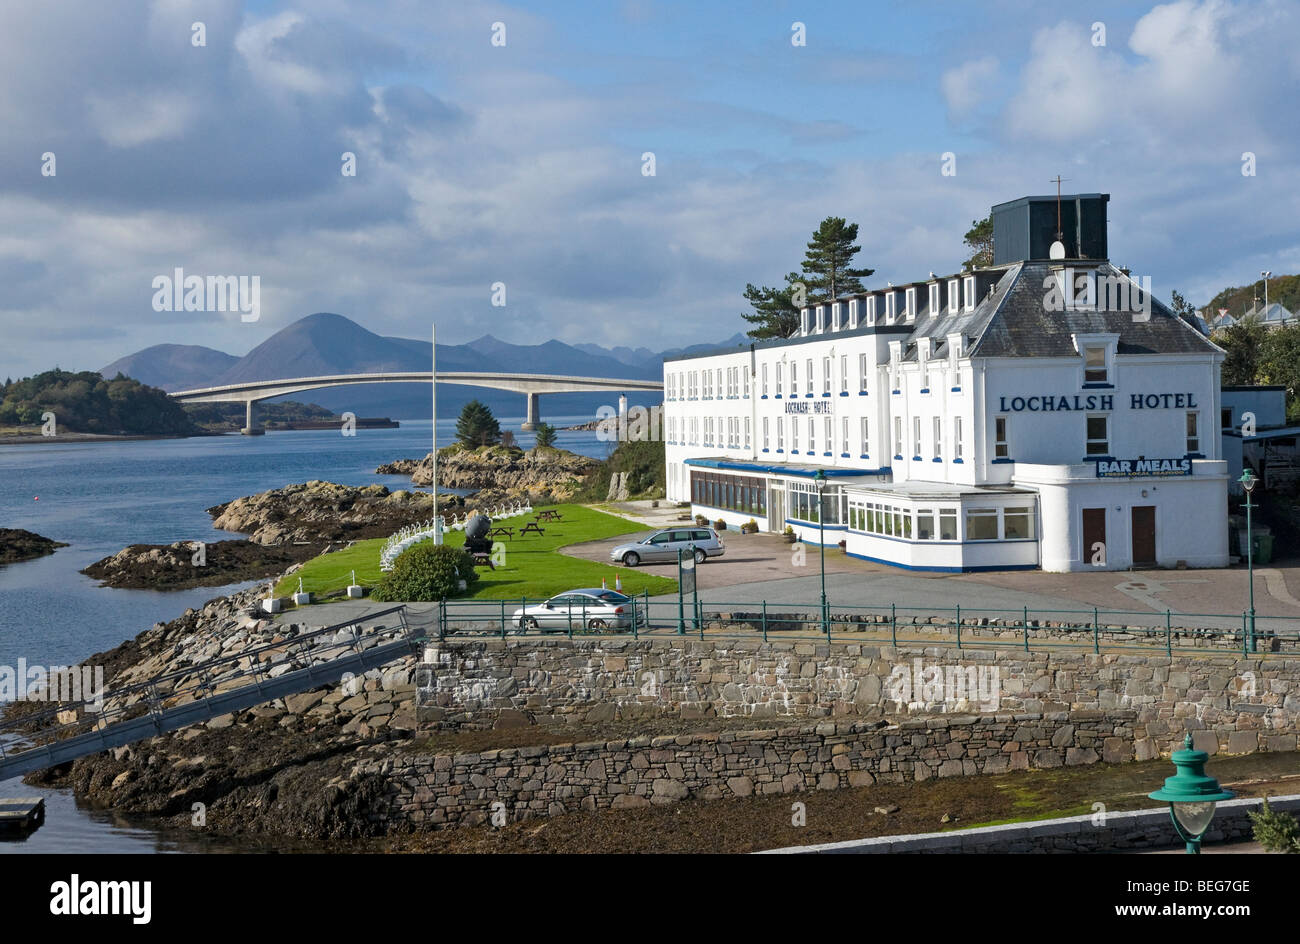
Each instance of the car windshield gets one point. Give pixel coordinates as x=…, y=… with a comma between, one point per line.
x=611, y=596
x=649, y=537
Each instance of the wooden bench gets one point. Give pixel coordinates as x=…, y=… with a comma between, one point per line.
x=502, y=530
x=531, y=528
x=548, y=516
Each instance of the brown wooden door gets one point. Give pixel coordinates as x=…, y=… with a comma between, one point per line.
x=1144, y=534
x=1094, y=534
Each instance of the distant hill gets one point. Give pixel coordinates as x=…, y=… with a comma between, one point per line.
x=328, y=343
x=171, y=366
x=1283, y=289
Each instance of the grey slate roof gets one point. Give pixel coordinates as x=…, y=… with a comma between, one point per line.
x=1019, y=325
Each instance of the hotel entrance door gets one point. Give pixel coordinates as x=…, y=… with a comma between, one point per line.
x=1144, y=534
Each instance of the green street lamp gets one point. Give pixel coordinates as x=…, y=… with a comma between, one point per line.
x=820, y=478
x=1248, y=482
x=1191, y=795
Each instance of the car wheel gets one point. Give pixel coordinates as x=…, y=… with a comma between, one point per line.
x=631, y=558
x=596, y=624
x=700, y=556
x=528, y=623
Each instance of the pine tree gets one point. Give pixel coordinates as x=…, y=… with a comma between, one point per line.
x=477, y=426
x=776, y=312
x=827, y=263
x=545, y=434
x=979, y=239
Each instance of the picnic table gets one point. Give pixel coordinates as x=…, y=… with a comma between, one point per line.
x=502, y=530
x=531, y=528
x=548, y=515
x=481, y=558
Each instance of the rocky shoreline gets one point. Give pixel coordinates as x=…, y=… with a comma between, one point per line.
x=18, y=544
x=497, y=474
x=286, y=526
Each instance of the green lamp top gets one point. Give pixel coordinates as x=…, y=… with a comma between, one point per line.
x=1191, y=784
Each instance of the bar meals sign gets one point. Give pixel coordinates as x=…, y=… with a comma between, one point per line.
x=1132, y=468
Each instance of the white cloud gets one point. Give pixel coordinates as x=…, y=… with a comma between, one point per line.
x=966, y=87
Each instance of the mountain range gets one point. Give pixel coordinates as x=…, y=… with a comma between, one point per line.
x=326, y=343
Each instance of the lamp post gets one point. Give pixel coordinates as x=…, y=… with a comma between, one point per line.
x=1191, y=795
x=820, y=478
x=1248, y=482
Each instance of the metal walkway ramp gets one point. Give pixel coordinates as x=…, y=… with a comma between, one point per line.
x=201, y=692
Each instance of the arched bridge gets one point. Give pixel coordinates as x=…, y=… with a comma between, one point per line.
x=533, y=385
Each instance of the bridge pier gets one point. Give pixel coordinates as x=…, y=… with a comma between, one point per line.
x=533, y=419
x=250, y=420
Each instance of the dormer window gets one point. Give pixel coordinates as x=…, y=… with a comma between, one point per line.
x=934, y=299
x=911, y=304
x=889, y=307
x=803, y=321
x=871, y=311
x=853, y=313
x=1094, y=364
x=968, y=286
x=954, y=296
x=821, y=318
x=835, y=316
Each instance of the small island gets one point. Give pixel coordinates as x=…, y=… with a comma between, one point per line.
x=17, y=544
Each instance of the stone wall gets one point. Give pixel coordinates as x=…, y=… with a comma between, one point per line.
x=553, y=780
x=1229, y=703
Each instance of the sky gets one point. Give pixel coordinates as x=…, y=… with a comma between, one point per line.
x=521, y=163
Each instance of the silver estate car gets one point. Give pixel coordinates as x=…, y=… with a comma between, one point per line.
x=597, y=608
x=663, y=546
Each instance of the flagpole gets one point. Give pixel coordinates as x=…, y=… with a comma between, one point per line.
x=433, y=456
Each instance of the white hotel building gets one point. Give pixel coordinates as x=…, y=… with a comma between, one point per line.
x=977, y=421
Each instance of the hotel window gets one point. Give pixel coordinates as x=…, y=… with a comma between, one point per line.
x=794, y=378
x=719, y=393
x=835, y=316
x=708, y=385
x=938, y=438
x=889, y=307
x=1094, y=365
x=844, y=445
x=956, y=438
x=778, y=380
x=803, y=321
x=745, y=373
x=1098, y=440
x=911, y=304
x=853, y=313
x=1000, y=448
x=934, y=299
x=794, y=434
x=862, y=373
x=898, y=437
x=1017, y=523
x=925, y=524
x=866, y=437
x=829, y=434
x=671, y=388
x=954, y=297
x=871, y=310
x=821, y=318
x=968, y=284
x=947, y=524
x=765, y=434
x=916, y=436
x=764, y=380
x=1193, y=433
x=812, y=435
x=780, y=434
x=1225, y=419
x=981, y=524
x=747, y=432
x=809, y=381
x=844, y=373
x=925, y=371
x=826, y=376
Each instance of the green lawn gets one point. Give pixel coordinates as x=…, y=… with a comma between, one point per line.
x=533, y=567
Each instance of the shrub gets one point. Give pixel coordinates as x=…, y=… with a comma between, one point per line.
x=425, y=573
x=720, y=525
x=1276, y=832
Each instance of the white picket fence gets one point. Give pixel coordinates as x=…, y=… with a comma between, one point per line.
x=434, y=528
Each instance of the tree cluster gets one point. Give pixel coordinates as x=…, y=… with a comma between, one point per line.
x=85, y=402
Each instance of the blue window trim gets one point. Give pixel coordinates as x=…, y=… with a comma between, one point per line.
x=826, y=453
x=864, y=456
x=780, y=450
x=898, y=457
x=1106, y=458
x=862, y=393
x=1194, y=455
x=956, y=389
x=825, y=394
x=778, y=396
x=917, y=459
x=937, y=459
x=845, y=455
x=809, y=395
x=925, y=389
x=958, y=462
x=1098, y=386
x=1003, y=461
x=896, y=392
x=844, y=393
x=794, y=452
x=763, y=397
x=765, y=449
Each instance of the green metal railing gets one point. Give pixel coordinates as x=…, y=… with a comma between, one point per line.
x=964, y=627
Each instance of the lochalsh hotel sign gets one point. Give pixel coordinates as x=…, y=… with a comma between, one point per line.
x=1050, y=403
x=1132, y=468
